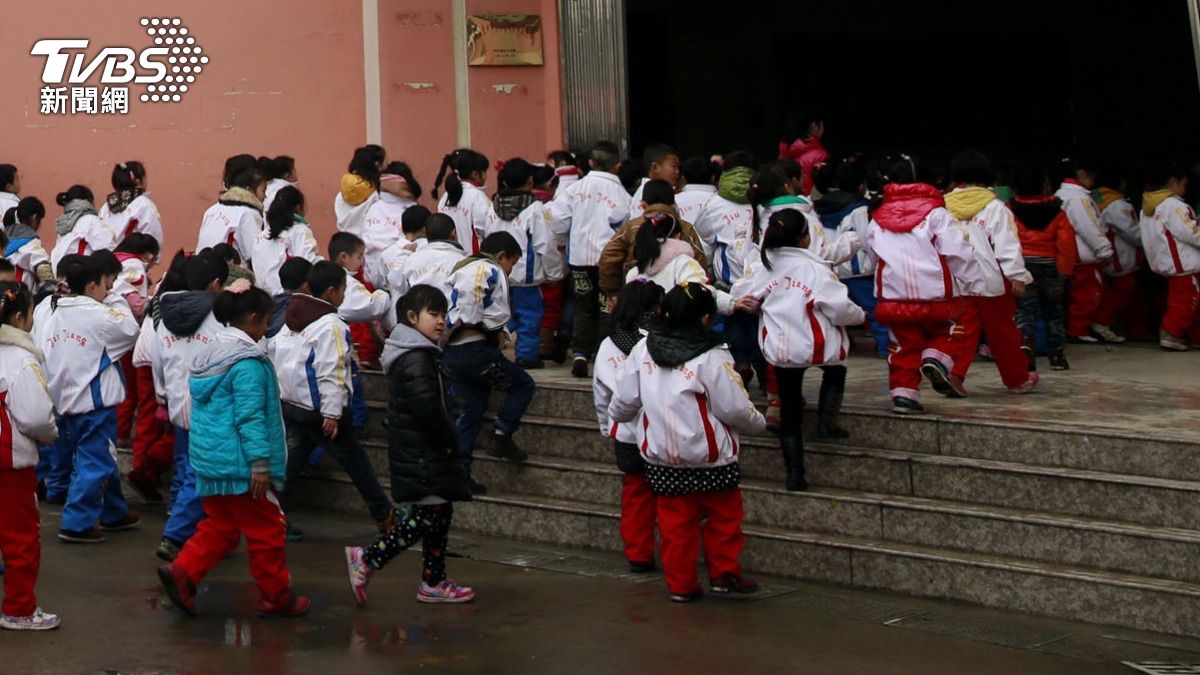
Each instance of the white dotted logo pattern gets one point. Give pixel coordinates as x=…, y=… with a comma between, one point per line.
x=185, y=61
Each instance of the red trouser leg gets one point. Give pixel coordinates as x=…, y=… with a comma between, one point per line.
x=1182, y=298
x=365, y=342
x=127, y=408
x=1086, y=286
x=154, y=439
x=1114, y=297
x=772, y=386
x=552, y=297
x=904, y=360
x=216, y=536
x=971, y=323
x=637, y=518
x=723, y=537
x=19, y=542
x=679, y=529
x=261, y=521
x=1004, y=338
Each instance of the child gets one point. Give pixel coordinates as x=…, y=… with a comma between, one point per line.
x=293, y=275
x=432, y=264
x=314, y=363
x=85, y=337
x=1171, y=237
x=662, y=163
x=24, y=248
x=770, y=191
x=479, y=313
x=637, y=307
x=1094, y=250
x=129, y=209
x=287, y=236
x=924, y=263
x=618, y=255
x=664, y=260
x=590, y=210
x=10, y=187
x=465, y=173
x=383, y=226
x=363, y=306
x=237, y=217
x=80, y=230
x=188, y=328
x=280, y=172
x=520, y=214
x=422, y=445
x=693, y=407
x=413, y=227
x=806, y=148
x=1048, y=246
x=7, y=271
x=239, y=457
x=991, y=313
x=28, y=412
x=792, y=340
x=700, y=175
x=360, y=187
x=136, y=254
x=1120, y=223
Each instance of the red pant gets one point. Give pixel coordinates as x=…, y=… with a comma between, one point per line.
x=19, y=542
x=1182, y=319
x=554, y=293
x=1114, y=297
x=637, y=518
x=913, y=343
x=1086, y=288
x=226, y=518
x=154, y=440
x=996, y=319
x=682, y=520
x=127, y=408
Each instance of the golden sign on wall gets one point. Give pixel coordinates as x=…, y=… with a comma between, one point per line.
x=504, y=40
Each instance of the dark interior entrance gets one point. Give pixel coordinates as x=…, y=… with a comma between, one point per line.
x=1017, y=78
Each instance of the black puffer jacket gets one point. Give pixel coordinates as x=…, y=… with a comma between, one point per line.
x=422, y=441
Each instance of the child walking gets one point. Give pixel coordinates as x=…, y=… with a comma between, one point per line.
x=28, y=412
x=24, y=248
x=693, y=407
x=239, y=457
x=637, y=307
x=1094, y=249
x=1172, y=240
x=1048, y=246
x=423, y=457
x=465, y=173
x=287, y=235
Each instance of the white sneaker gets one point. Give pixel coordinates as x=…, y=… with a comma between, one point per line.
x=1171, y=343
x=39, y=620
x=1106, y=334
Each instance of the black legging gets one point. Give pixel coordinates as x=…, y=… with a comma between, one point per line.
x=791, y=394
x=429, y=524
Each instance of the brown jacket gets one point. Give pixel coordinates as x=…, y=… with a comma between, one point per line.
x=617, y=258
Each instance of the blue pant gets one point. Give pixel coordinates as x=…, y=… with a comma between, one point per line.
x=741, y=334
x=527, y=312
x=862, y=293
x=358, y=399
x=56, y=463
x=189, y=506
x=95, y=493
x=474, y=369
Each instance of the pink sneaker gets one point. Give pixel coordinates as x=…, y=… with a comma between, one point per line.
x=359, y=573
x=1027, y=387
x=447, y=591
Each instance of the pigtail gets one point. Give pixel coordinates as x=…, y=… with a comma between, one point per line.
x=441, y=174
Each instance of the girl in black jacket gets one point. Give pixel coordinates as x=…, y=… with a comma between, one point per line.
x=422, y=452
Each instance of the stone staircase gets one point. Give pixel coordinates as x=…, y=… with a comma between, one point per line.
x=1079, y=523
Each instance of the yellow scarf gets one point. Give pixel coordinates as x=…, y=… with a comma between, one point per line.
x=355, y=189
x=1151, y=200
x=1108, y=196
x=964, y=203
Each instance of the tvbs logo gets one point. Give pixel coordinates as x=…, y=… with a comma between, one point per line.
x=167, y=69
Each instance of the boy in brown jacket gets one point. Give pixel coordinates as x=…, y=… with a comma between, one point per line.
x=658, y=196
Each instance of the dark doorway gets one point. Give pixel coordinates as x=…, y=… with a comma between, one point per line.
x=1016, y=78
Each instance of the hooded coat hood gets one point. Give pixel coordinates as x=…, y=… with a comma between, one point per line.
x=906, y=205
x=669, y=349
x=1036, y=212
x=833, y=207
x=510, y=203
x=72, y=212
x=965, y=203
x=214, y=362
x=278, y=313
x=19, y=338
x=18, y=235
x=303, y=310
x=1108, y=196
x=734, y=184
x=183, y=312
x=472, y=258
x=671, y=249
x=240, y=197
x=403, y=339
x=1151, y=200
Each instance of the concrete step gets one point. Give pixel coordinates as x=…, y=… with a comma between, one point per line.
x=990, y=580
x=1087, y=446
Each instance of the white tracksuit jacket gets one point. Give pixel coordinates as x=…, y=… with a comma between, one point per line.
x=692, y=414
x=352, y=219
x=689, y=204
x=730, y=224
x=273, y=187
x=835, y=251
x=269, y=254
x=314, y=365
x=171, y=362
x=676, y=266
x=1120, y=223
x=133, y=279
x=89, y=234
x=235, y=224
x=1171, y=238
x=590, y=210
x=381, y=229
x=26, y=410
x=993, y=236
x=609, y=360
x=472, y=215
x=1081, y=210
x=140, y=216
x=431, y=265
x=83, y=341
x=479, y=296
x=361, y=304
x=540, y=259
x=933, y=261
x=26, y=260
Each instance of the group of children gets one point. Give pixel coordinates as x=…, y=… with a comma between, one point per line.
x=681, y=285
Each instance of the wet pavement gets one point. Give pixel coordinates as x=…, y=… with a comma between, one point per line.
x=540, y=609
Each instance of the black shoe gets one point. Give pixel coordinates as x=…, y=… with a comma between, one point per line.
x=130, y=521
x=167, y=550
x=477, y=488
x=732, y=583
x=829, y=404
x=503, y=447
x=687, y=597
x=641, y=567
x=793, y=459
x=294, y=533
x=531, y=365
x=1058, y=361
x=1028, y=352
x=579, y=366
x=92, y=536
x=942, y=381
x=906, y=406
x=558, y=352
x=41, y=490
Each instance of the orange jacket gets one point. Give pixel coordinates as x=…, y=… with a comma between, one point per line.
x=1053, y=239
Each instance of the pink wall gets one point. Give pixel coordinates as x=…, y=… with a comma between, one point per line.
x=284, y=78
